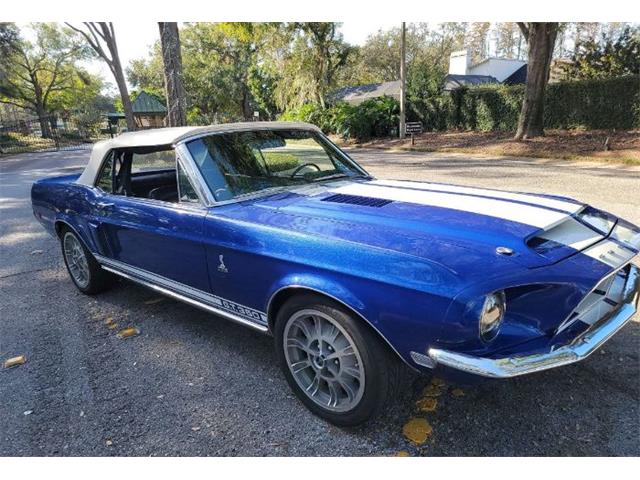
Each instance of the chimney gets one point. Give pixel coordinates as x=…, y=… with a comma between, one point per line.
x=459, y=63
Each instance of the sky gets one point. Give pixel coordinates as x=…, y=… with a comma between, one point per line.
x=136, y=38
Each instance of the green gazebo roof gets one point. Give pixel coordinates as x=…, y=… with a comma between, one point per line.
x=146, y=103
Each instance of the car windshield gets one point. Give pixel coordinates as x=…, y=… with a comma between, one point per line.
x=241, y=163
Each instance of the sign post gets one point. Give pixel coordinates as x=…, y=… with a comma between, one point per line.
x=413, y=128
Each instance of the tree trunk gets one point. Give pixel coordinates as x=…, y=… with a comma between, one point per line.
x=541, y=38
x=116, y=69
x=41, y=112
x=173, y=79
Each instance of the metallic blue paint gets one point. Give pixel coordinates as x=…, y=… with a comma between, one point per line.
x=418, y=274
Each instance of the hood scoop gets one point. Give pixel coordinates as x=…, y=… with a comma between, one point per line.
x=357, y=200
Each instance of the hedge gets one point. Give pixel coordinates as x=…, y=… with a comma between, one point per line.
x=591, y=104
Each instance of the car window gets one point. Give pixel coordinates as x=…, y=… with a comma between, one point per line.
x=187, y=192
x=236, y=164
x=105, y=178
x=159, y=160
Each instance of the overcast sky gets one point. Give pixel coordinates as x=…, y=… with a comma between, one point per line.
x=136, y=38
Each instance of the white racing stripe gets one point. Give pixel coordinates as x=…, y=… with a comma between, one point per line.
x=568, y=207
x=573, y=234
x=528, y=214
x=610, y=253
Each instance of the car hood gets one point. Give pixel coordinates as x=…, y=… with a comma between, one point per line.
x=434, y=221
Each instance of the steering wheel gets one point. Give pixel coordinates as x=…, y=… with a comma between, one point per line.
x=304, y=165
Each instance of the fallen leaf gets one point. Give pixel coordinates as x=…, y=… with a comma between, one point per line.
x=431, y=391
x=427, y=404
x=438, y=382
x=128, y=332
x=160, y=397
x=27, y=412
x=112, y=326
x=153, y=301
x=457, y=392
x=36, y=252
x=108, y=321
x=417, y=430
x=15, y=361
x=195, y=429
x=108, y=443
x=402, y=453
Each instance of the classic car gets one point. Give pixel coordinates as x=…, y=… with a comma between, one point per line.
x=274, y=227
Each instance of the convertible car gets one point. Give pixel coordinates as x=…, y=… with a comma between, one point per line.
x=272, y=226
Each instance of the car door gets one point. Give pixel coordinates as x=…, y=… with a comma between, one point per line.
x=140, y=229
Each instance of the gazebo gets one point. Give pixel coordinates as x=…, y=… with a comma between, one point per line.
x=148, y=111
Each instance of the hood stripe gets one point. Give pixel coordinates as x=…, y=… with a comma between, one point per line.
x=530, y=199
x=539, y=217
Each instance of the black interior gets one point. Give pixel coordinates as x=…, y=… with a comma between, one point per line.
x=157, y=185
x=154, y=184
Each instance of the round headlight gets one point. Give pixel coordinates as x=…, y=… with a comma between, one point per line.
x=492, y=315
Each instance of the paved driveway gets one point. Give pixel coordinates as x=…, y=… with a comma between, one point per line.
x=193, y=384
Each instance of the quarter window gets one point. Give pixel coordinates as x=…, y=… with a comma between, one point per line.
x=105, y=179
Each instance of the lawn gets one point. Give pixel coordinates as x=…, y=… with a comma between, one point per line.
x=592, y=145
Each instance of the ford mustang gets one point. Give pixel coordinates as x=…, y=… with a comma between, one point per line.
x=272, y=226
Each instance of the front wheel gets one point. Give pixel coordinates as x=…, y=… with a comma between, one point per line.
x=334, y=363
x=83, y=268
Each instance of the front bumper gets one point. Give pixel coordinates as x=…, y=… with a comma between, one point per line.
x=579, y=349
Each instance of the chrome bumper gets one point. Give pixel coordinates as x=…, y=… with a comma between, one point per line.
x=579, y=349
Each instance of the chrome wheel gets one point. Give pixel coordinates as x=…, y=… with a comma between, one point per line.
x=324, y=360
x=76, y=260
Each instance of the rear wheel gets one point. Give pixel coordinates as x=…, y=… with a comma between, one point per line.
x=84, y=270
x=334, y=363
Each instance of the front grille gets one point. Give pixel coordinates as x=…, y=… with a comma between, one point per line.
x=603, y=299
x=356, y=200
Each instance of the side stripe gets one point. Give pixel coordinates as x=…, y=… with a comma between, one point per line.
x=221, y=306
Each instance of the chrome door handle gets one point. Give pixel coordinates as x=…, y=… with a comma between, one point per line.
x=105, y=205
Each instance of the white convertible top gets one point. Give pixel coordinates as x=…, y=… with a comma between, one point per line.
x=171, y=136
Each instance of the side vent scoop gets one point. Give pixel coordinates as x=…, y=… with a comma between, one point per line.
x=356, y=200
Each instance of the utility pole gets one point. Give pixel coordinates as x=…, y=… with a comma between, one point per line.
x=403, y=79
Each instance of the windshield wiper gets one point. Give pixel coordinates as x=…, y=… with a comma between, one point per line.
x=331, y=177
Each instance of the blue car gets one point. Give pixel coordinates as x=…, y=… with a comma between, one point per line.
x=272, y=226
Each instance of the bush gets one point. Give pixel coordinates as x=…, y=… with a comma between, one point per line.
x=377, y=117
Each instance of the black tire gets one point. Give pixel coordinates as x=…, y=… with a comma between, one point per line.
x=98, y=279
x=381, y=366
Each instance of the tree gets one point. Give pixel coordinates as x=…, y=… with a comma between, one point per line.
x=173, y=79
x=102, y=39
x=616, y=53
x=477, y=41
x=33, y=73
x=508, y=40
x=541, y=37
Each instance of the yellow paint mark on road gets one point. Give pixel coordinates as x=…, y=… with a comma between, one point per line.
x=15, y=361
x=153, y=301
x=417, y=430
x=431, y=391
x=457, y=392
x=427, y=404
x=402, y=453
x=128, y=332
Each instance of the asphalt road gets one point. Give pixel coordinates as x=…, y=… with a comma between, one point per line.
x=194, y=384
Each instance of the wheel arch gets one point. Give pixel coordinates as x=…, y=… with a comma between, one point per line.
x=284, y=293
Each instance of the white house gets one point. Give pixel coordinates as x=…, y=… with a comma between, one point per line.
x=491, y=70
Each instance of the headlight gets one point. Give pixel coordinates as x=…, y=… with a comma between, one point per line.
x=492, y=315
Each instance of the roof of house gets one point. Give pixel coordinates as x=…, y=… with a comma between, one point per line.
x=452, y=82
x=158, y=137
x=146, y=103
x=517, y=77
x=360, y=93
